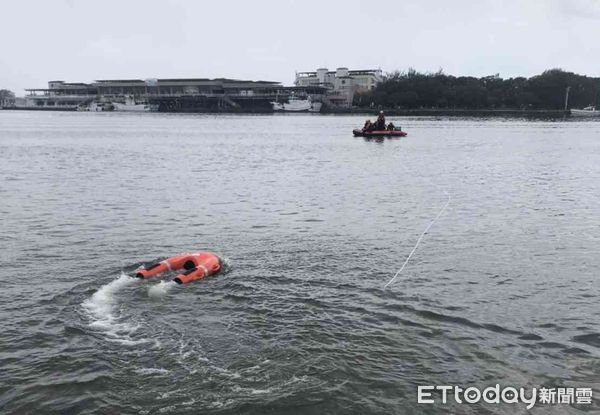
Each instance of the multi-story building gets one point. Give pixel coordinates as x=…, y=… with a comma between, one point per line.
x=341, y=84
x=60, y=95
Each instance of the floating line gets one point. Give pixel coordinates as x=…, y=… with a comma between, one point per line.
x=419, y=241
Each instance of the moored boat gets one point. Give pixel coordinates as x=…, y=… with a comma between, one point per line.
x=297, y=105
x=131, y=105
x=586, y=112
x=95, y=107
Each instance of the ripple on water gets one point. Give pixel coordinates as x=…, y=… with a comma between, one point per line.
x=502, y=287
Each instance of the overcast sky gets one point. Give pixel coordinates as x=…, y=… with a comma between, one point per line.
x=80, y=41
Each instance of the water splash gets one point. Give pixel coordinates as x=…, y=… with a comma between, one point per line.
x=101, y=308
x=161, y=289
x=225, y=264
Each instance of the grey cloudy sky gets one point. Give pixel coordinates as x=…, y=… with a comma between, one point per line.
x=81, y=41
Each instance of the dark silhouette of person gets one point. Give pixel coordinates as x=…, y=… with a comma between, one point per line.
x=380, y=123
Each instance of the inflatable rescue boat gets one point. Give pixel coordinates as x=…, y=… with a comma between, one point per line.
x=361, y=132
x=193, y=266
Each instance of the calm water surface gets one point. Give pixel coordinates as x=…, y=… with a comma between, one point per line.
x=312, y=223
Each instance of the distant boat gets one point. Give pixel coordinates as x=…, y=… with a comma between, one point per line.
x=297, y=105
x=586, y=112
x=93, y=107
x=131, y=106
x=360, y=132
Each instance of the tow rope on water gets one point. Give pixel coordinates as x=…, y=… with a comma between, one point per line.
x=419, y=241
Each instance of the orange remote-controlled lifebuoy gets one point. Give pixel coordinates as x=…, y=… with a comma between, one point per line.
x=196, y=266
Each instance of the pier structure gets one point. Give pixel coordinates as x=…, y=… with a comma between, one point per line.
x=170, y=95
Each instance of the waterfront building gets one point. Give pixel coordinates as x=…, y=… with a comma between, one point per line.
x=341, y=84
x=60, y=95
x=168, y=95
x=193, y=94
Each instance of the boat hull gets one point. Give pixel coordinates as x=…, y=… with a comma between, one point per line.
x=131, y=107
x=380, y=133
x=297, y=106
x=585, y=113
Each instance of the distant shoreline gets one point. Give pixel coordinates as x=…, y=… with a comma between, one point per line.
x=453, y=112
x=370, y=112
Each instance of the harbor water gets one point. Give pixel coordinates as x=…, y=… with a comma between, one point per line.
x=312, y=223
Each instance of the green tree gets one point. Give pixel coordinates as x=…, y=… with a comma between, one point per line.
x=6, y=97
x=6, y=94
x=412, y=89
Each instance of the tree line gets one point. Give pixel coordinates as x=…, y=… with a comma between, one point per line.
x=413, y=90
x=6, y=94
